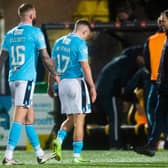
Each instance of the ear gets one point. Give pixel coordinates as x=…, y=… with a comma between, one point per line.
x=31, y=16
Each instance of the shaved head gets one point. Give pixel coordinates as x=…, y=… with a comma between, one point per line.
x=80, y=24
x=25, y=9
x=82, y=28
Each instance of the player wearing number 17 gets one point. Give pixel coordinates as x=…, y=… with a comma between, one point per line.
x=70, y=53
x=23, y=44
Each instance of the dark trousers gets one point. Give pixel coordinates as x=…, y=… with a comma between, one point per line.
x=151, y=105
x=111, y=108
x=160, y=120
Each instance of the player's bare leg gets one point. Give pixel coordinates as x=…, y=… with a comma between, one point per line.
x=66, y=126
x=79, y=121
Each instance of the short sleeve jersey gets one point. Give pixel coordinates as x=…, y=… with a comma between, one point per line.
x=68, y=52
x=23, y=43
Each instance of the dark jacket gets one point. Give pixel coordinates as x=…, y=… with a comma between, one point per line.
x=117, y=72
x=163, y=71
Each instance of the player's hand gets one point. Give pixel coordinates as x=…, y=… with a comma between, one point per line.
x=50, y=92
x=57, y=79
x=93, y=94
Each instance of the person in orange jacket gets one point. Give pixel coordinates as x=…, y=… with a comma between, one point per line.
x=152, y=53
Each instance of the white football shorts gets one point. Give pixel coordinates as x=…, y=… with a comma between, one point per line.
x=22, y=92
x=74, y=96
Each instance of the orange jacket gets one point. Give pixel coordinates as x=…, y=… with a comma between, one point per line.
x=155, y=45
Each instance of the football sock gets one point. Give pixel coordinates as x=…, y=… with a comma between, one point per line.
x=34, y=140
x=13, y=139
x=61, y=135
x=77, y=148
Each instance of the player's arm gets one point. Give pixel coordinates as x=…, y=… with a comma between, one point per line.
x=146, y=55
x=3, y=57
x=49, y=64
x=88, y=76
x=50, y=85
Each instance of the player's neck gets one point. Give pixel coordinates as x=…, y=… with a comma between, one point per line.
x=25, y=21
x=76, y=33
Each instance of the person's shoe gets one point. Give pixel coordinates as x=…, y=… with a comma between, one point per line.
x=57, y=149
x=145, y=150
x=45, y=158
x=80, y=160
x=11, y=162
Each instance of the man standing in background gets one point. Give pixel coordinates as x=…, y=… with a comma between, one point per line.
x=161, y=115
x=152, y=53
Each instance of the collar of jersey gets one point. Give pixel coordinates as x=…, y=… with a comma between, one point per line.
x=74, y=34
x=26, y=24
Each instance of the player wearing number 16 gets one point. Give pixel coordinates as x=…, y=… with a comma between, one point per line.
x=23, y=44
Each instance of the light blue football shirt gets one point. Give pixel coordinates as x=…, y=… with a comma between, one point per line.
x=69, y=51
x=23, y=43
